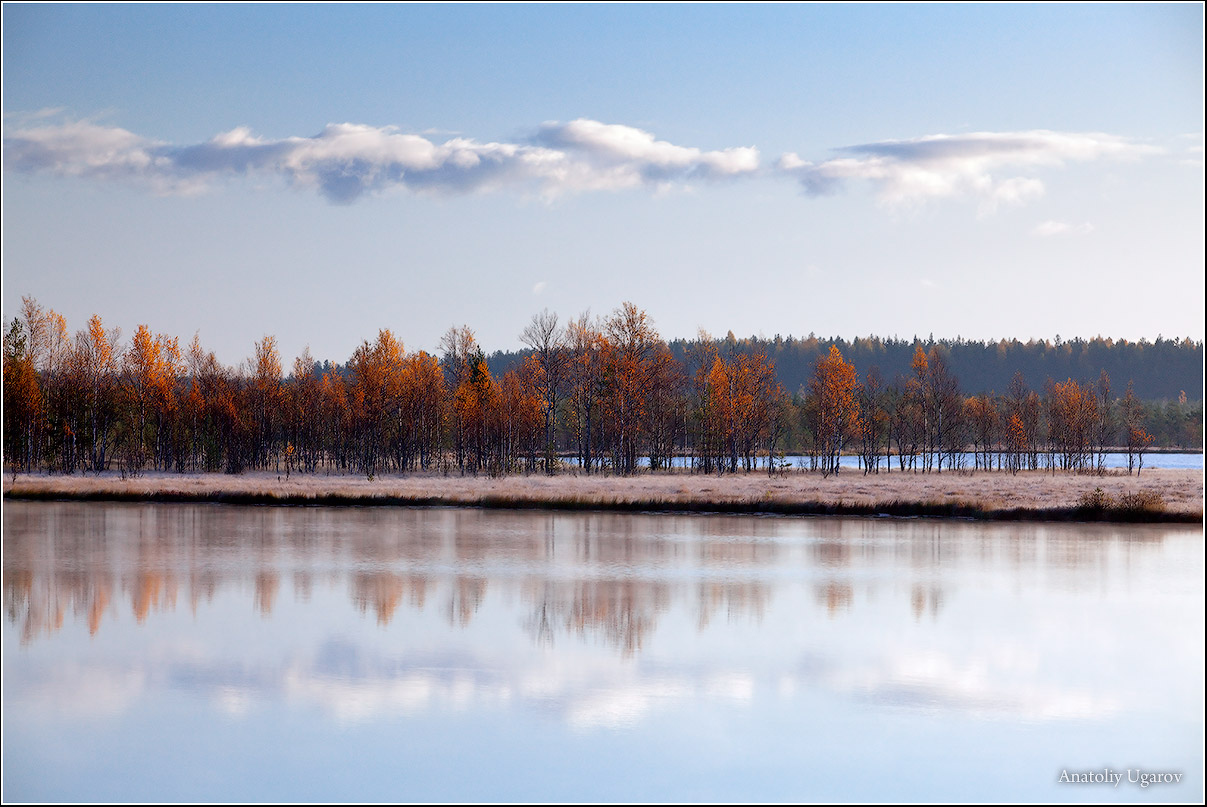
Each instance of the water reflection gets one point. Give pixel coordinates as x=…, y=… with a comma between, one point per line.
x=593, y=575
x=765, y=645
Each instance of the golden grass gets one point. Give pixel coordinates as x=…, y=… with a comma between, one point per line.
x=962, y=493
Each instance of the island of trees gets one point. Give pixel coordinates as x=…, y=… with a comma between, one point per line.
x=600, y=395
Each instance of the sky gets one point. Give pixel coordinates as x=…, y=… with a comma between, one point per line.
x=319, y=172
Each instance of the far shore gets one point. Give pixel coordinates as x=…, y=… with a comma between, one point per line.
x=1170, y=496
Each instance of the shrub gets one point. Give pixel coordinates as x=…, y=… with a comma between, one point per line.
x=1097, y=500
x=1143, y=501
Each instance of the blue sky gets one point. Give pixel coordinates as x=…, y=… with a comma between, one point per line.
x=320, y=172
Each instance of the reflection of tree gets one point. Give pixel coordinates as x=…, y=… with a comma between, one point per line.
x=267, y=584
x=31, y=602
x=921, y=597
x=96, y=608
x=383, y=592
x=621, y=611
x=303, y=583
x=737, y=598
x=730, y=553
x=464, y=598
x=202, y=586
x=152, y=590
x=835, y=596
x=539, y=623
x=606, y=576
x=831, y=553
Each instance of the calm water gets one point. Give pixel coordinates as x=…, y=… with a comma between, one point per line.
x=1113, y=460
x=206, y=652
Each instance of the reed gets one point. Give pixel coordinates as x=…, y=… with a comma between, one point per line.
x=1158, y=496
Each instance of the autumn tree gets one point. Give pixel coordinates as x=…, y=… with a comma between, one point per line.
x=22, y=401
x=666, y=408
x=982, y=415
x=716, y=416
x=833, y=389
x=459, y=349
x=1072, y=421
x=377, y=371
x=475, y=402
x=422, y=412
x=151, y=367
x=96, y=359
x=267, y=398
x=1023, y=416
x=633, y=340
x=209, y=408
x=48, y=349
x=521, y=416
x=337, y=420
x=304, y=413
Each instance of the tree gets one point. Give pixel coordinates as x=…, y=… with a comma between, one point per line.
x=267, y=399
x=151, y=368
x=459, y=351
x=716, y=416
x=589, y=349
x=475, y=402
x=22, y=401
x=833, y=390
x=1133, y=432
x=97, y=357
x=946, y=406
x=633, y=340
x=981, y=413
x=1105, y=424
x=873, y=420
x=548, y=343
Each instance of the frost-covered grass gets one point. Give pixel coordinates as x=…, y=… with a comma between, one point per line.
x=1177, y=492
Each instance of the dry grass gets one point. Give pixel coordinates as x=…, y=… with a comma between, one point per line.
x=959, y=493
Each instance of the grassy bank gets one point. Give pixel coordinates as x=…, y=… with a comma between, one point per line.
x=1156, y=496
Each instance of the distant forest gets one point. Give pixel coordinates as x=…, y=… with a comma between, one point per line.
x=1159, y=371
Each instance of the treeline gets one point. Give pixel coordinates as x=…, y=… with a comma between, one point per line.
x=1159, y=370
x=606, y=394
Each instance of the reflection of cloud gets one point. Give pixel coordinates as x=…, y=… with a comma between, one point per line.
x=989, y=686
x=1050, y=228
x=362, y=700
x=622, y=706
x=233, y=701
x=78, y=691
x=355, y=685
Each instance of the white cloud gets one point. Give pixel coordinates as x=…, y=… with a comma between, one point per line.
x=346, y=160
x=1050, y=228
x=539, y=287
x=638, y=157
x=1017, y=191
x=941, y=165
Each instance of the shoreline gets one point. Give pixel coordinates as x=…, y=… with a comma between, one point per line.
x=990, y=496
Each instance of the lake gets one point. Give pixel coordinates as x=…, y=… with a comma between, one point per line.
x=1113, y=460
x=223, y=653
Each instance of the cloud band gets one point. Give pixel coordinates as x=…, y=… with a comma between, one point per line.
x=346, y=161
